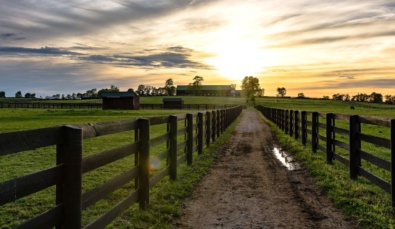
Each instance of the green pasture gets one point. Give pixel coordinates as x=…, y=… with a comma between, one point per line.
x=27, y=162
x=371, y=211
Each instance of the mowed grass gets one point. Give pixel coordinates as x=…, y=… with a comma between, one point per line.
x=27, y=162
x=361, y=200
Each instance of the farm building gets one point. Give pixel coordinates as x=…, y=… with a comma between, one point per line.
x=208, y=90
x=173, y=103
x=120, y=101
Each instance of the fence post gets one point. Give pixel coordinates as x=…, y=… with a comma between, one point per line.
x=208, y=128
x=218, y=123
x=200, y=132
x=330, y=137
x=214, y=126
x=71, y=150
x=189, y=139
x=355, y=146
x=286, y=122
x=296, y=123
x=304, y=127
x=291, y=119
x=314, y=132
x=393, y=162
x=144, y=149
x=173, y=121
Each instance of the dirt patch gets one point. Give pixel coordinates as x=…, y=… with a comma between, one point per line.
x=249, y=188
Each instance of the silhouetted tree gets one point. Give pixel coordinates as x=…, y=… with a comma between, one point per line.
x=2, y=94
x=281, y=91
x=18, y=94
x=250, y=87
x=111, y=89
x=169, y=87
x=195, y=87
x=301, y=95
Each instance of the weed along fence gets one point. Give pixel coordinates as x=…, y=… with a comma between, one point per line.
x=182, y=137
x=347, y=139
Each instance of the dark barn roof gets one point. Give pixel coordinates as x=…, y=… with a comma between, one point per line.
x=118, y=94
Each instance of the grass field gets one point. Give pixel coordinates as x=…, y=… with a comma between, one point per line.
x=361, y=200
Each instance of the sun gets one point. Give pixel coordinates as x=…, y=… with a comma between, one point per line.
x=236, y=58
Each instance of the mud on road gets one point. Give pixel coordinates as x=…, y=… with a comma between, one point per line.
x=248, y=187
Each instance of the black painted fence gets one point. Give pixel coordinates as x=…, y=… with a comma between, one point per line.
x=200, y=129
x=62, y=105
x=305, y=125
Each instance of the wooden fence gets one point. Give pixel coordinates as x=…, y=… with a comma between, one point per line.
x=54, y=105
x=325, y=136
x=201, y=128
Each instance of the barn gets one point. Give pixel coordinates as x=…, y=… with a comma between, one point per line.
x=173, y=103
x=127, y=100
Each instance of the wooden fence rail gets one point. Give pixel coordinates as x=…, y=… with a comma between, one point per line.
x=323, y=136
x=62, y=105
x=201, y=128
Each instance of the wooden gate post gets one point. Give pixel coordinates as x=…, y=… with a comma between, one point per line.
x=71, y=150
x=355, y=146
x=189, y=139
x=144, y=150
x=173, y=121
x=330, y=137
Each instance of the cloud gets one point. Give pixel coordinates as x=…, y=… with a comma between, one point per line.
x=41, y=20
x=40, y=51
x=11, y=36
x=171, y=57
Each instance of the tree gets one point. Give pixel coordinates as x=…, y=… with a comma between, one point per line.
x=2, y=94
x=338, y=96
x=18, y=94
x=169, y=87
x=281, y=91
x=325, y=97
x=250, y=87
x=194, y=88
x=301, y=95
x=376, y=97
x=111, y=89
x=30, y=95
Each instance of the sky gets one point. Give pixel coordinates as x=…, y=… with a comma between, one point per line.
x=312, y=47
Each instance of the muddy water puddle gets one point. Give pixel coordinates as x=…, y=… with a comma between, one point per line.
x=285, y=158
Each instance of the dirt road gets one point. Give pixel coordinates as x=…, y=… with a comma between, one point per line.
x=249, y=188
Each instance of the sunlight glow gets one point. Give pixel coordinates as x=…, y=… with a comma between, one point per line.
x=240, y=56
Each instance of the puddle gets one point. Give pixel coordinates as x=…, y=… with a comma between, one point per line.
x=285, y=158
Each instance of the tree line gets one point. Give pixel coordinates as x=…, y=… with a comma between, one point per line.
x=363, y=97
x=94, y=93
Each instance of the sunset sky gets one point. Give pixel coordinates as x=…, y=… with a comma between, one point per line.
x=313, y=47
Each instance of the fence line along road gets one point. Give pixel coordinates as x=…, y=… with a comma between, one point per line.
x=325, y=136
x=48, y=105
x=200, y=129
